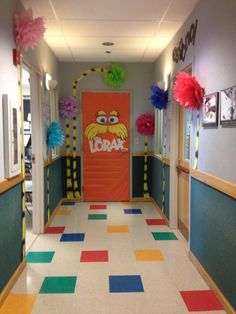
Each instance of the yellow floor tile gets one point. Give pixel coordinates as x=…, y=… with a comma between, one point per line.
x=148, y=255
x=121, y=229
x=63, y=212
x=18, y=303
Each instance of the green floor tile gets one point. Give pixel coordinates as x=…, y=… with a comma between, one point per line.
x=97, y=217
x=164, y=236
x=58, y=285
x=39, y=257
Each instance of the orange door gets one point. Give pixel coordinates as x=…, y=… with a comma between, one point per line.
x=106, y=146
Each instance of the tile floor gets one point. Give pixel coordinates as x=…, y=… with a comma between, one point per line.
x=113, y=258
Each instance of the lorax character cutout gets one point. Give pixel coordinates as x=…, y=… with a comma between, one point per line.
x=106, y=123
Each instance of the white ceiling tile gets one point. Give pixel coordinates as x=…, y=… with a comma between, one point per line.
x=159, y=42
x=168, y=28
x=56, y=42
x=180, y=10
x=53, y=28
x=108, y=28
x=151, y=54
x=107, y=9
x=96, y=42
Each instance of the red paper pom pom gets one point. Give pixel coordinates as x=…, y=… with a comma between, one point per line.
x=188, y=92
x=145, y=124
x=28, y=31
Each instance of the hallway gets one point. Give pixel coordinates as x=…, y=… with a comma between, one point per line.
x=118, y=258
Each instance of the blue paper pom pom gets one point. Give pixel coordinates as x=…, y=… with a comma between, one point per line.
x=159, y=98
x=55, y=136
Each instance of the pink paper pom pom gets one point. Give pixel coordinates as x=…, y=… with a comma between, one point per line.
x=188, y=92
x=28, y=31
x=68, y=107
x=145, y=124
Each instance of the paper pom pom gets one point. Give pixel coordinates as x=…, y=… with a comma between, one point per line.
x=159, y=98
x=28, y=31
x=68, y=107
x=115, y=77
x=145, y=124
x=55, y=136
x=188, y=92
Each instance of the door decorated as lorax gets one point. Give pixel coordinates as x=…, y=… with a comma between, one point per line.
x=106, y=146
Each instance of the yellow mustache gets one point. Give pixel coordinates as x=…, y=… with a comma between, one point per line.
x=94, y=129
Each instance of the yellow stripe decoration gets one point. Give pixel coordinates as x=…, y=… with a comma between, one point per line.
x=48, y=193
x=72, y=188
x=197, y=143
x=69, y=187
x=145, y=175
x=163, y=164
x=22, y=162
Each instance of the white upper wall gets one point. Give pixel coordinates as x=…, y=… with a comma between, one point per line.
x=41, y=58
x=213, y=58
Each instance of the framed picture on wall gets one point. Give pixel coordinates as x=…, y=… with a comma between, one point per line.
x=11, y=129
x=210, y=110
x=228, y=106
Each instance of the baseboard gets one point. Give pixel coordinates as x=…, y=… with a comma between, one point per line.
x=12, y=282
x=140, y=199
x=212, y=285
x=53, y=215
x=159, y=210
x=64, y=199
x=183, y=229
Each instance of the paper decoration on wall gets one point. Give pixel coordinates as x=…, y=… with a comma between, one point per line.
x=68, y=107
x=115, y=77
x=179, y=53
x=145, y=126
x=159, y=98
x=28, y=31
x=189, y=93
x=55, y=136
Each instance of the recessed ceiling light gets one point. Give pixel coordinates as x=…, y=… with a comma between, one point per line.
x=108, y=51
x=108, y=43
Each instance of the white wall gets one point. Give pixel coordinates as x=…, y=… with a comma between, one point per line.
x=213, y=59
x=139, y=78
x=41, y=58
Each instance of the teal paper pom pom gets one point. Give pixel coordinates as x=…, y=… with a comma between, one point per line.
x=55, y=136
x=115, y=77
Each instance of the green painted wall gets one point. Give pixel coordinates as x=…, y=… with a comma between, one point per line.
x=213, y=235
x=11, y=233
x=157, y=184
x=55, y=186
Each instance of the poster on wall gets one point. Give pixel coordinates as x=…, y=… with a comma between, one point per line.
x=210, y=110
x=228, y=106
x=11, y=125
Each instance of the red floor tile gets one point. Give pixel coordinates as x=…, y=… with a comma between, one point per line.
x=94, y=256
x=156, y=222
x=55, y=230
x=98, y=206
x=201, y=300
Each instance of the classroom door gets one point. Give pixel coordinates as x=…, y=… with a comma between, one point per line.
x=106, y=146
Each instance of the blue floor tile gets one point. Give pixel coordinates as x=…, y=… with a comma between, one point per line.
x=132, y=211
x=130, y=283
x=72, y=237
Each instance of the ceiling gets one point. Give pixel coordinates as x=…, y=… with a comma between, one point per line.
x=139, y=29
